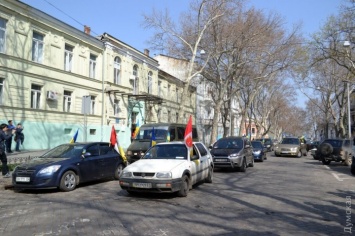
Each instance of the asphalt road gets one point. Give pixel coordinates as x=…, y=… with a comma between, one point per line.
x=281, y=196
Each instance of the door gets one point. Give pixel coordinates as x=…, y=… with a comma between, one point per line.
x=204, y=160
x=108, y=159
x=90, y=166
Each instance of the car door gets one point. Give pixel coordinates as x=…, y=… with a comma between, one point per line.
x=90, y=166
x=108, y=159
x=196, y=167
x=204, y=160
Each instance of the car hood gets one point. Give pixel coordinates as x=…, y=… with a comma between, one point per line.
x=154, y=165
x=287, y=145
x=224, y=152
x=40, y=162
x=257, y=149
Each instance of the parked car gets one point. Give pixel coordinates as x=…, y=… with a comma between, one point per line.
x=164, y=132
x=69, y=165
x=290, y=146
x=312, y=145
x=259, y=151
x=169, y=167
x=268, y=143
x=233, y=152
x=338, y=150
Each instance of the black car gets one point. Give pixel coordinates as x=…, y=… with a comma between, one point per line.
x=259, y=151
x=232, y=152
x=338, y=150
x=268, y=143
x=68, y=165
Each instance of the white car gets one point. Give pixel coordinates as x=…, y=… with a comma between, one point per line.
x=169, y=167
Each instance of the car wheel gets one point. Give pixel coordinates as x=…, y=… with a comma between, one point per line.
x=277, y=154
x=243, y=166
x=325, y=162
x=68, y=181
x=348, y=160
x=252, y=163
x=209, y=178
x=262, y=159
x=118, y=171
x=184, y=189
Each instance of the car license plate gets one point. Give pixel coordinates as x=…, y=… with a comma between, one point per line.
x=22, y=179
x=219, y=160
x=142, y=185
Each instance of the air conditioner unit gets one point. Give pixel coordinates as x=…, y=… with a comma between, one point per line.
x=52, y=95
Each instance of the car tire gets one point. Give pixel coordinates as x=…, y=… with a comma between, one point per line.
x=348, y=160
x=299, y=154
x=325, y=162
x=326, y=149
x=243, y=166
x=68, y=181
x=118, y=171
x=184, y=188
x=277, y=154
x=262, y=159
x=209, y=178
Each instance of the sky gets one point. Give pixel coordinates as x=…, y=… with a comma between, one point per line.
x=123, y=18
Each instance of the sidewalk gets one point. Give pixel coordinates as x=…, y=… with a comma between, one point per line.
x=18, y=157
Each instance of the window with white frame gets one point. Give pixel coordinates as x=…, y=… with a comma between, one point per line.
x=159, y=88
x=67, y=101
x=116, y=107
x=68, y=57
x=2, y=34
x=135, y=81
x=1, y=89
x=92, y=105
x=37, y=47
x=92, y=66
x=117, y=71
x=35, y=96
x=150, y=82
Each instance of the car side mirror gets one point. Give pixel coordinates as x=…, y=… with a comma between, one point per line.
x=86, y=154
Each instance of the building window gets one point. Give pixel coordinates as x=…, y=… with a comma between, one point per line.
x=92, y=105
x=35, y=96
x=117, y=71
x=159, y=88
x=159, y=115
x=169, y=114
x=37, y=47
x=135, y=71
x=176, y=117
x=2, y=34
x=1, y=89
x=116, y=107
x=67, y=101
x=169, y=87
x=150, y=82
x=135, y=79
x=177, y=95
x=68, y=58
x=92, y=66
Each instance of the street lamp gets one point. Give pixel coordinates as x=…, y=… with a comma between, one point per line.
x=346, y=45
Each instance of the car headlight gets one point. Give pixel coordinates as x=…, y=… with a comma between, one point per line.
x=129, y=153
x=126, y=174
x=294, y=149
x=257, y=152
x=268, y=145
x=49, y=170
x=234, y=155
x=163, y=175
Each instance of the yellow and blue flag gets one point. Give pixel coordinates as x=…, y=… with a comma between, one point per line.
x=153, y=140
x=73, y=139
x=136, y=130
x=168, y=137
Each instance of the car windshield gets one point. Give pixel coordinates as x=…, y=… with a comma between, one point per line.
x=334, y=143
x=257, y=144
x=64, y=151
x=295, y=141
x=173, y=151
x=146, y=134
x=228, y=144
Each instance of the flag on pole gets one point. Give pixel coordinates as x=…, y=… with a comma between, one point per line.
x=115, y=144
x=168, y=137
x=153, y=140
x=188, y=133
x=136, y=130
x=73, y=139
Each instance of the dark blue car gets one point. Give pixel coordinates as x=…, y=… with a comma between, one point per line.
x=68, y=165
x=259, y=151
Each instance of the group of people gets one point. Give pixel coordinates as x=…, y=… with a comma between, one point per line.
x=7, y=131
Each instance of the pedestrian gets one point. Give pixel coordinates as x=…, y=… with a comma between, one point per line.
x=10, y=130
x=19, y=136
x=4, y=136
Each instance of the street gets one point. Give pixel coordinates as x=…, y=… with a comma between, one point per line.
x=280, y=196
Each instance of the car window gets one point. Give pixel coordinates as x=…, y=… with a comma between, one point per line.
x=106, y=149
x=229, y=143
x=172, y=134
x=180, y=132
x=202, y=149
x=64, y=151
x=334, y=143
x=174, y=151
x=291, y=141
x=347, y=143
x=257, y=144
x=93, y=150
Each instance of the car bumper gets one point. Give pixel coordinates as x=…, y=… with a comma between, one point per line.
x=286, y=153
x=151, y=185
x=258, y=156
x=41, y=182
x=226, y=162
x=333, y=158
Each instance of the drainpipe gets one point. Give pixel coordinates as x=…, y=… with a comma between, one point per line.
x=103, y=93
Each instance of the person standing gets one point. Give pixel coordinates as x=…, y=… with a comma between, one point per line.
x=4, y=136
x=19, y=136
x=10, y=130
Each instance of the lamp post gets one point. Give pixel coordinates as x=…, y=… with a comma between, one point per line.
x=346, y=45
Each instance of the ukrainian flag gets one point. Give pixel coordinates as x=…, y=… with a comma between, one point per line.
x=136, y=130
x=73, y=139
x=168, y=137
x=153, y=140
